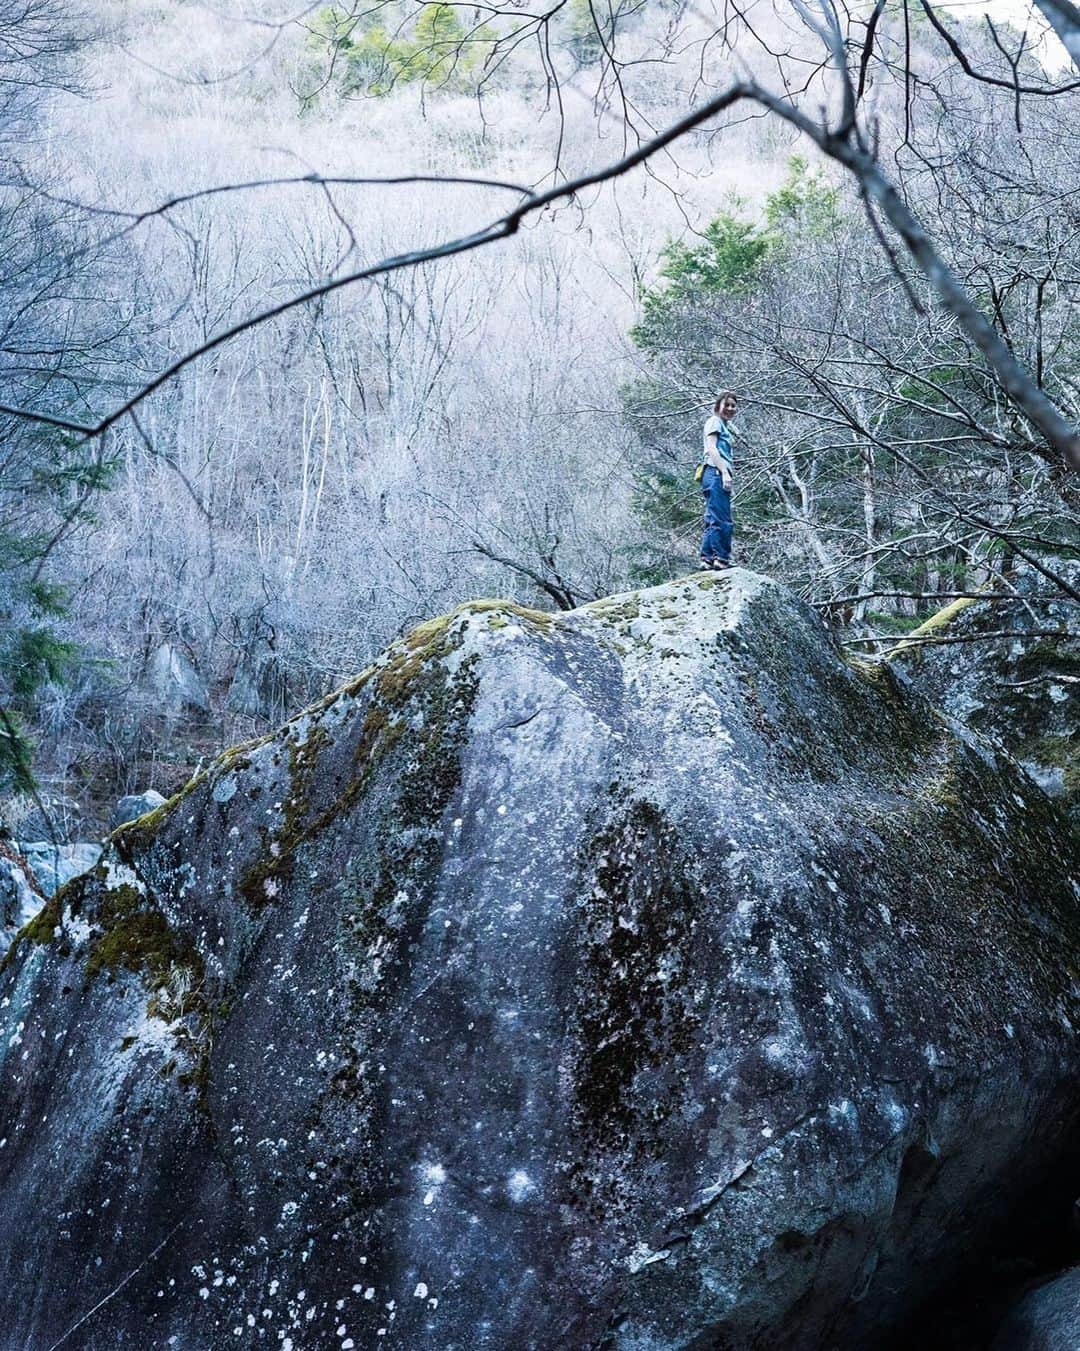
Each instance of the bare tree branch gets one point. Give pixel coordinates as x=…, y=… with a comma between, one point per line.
x=1064, y=18
x=1013, y=85
x=846, y=146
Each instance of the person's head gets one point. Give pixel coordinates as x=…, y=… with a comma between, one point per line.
x=726, y=405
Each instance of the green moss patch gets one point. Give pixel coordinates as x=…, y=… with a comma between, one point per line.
x=140, y=942
x=41, y=929
x=1059, y=752
x=616, y=609
x=541, y=619
x=940, y=619
x=272, y=868
x=129, y=933
x=411, y=677
x=707, y=581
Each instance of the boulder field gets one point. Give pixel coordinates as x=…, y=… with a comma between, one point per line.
x=643, y=977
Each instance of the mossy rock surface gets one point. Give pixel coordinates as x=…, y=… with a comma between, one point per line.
x=643, y=976
x=1022, y=690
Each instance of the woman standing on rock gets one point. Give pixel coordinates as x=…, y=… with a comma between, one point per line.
x=714, y=475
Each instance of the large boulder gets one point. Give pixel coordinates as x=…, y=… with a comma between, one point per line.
x=1022, y=688
x=175, y=681
x=133, y=805
x=1046, y=1319
x=55, y=865
x=260, y=686
x=645, y=976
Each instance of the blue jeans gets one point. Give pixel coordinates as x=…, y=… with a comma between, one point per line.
x=718, y=523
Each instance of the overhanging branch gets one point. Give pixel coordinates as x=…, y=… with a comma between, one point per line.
x=845, y=147
x=1064, y=18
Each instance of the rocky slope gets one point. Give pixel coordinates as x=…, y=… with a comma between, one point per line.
x=641, y=977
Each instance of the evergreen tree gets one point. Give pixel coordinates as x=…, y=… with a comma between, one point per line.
x=875, y=459
x=48, y=480
x=682, y=326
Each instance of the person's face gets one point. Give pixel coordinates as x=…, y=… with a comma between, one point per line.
x=727, y=408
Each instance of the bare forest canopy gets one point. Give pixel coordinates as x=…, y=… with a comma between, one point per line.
x=318, y=321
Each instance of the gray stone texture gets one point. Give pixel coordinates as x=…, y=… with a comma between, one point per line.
x=1047, y=1319
x=134, y=805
